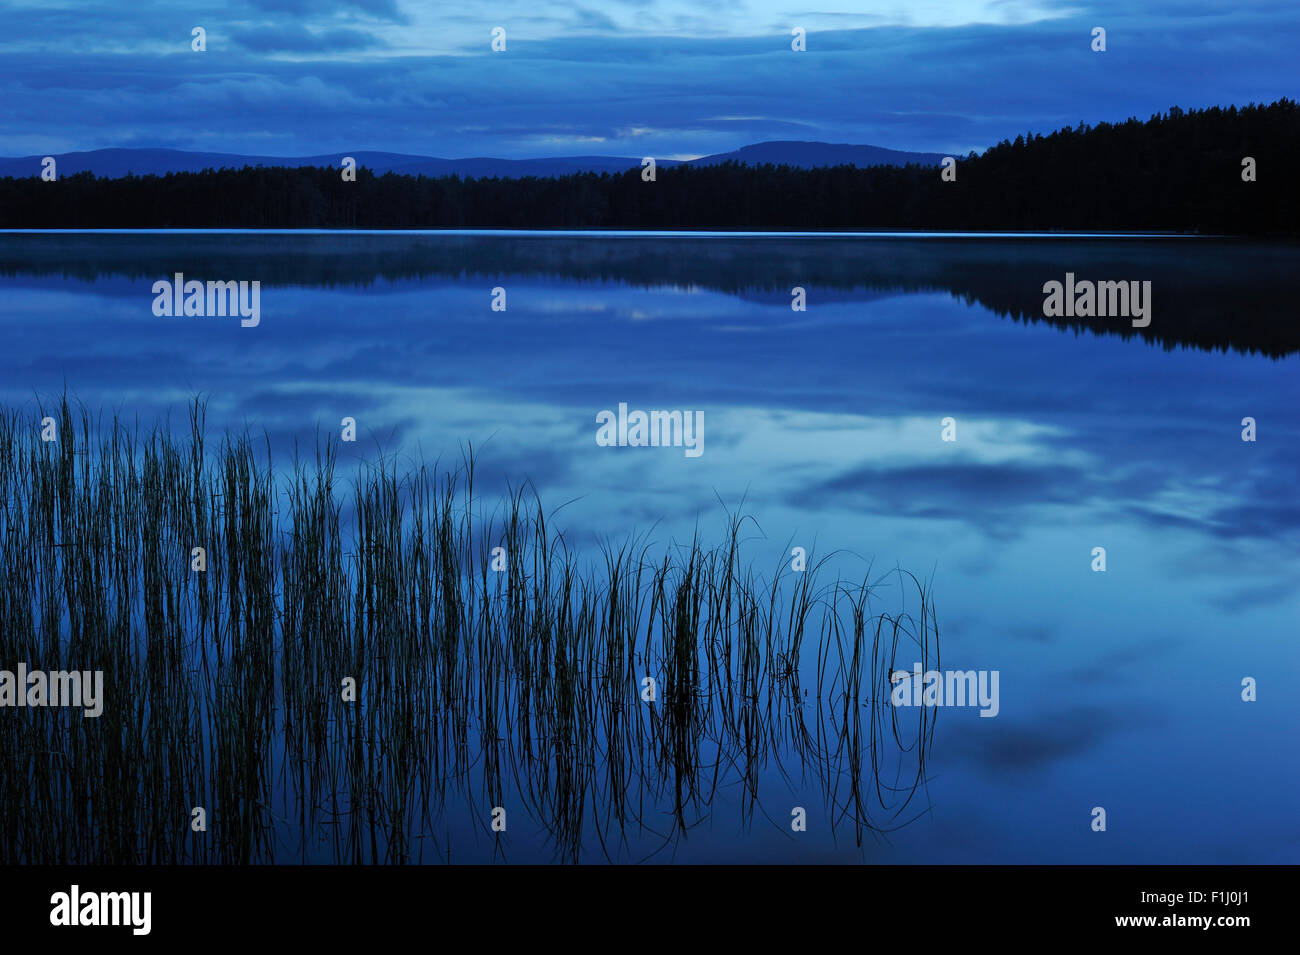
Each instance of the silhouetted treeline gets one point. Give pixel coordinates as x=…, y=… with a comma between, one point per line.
x=1214, y=294
x=1180, y=171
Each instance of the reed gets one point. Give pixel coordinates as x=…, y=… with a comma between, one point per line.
x=474, y=688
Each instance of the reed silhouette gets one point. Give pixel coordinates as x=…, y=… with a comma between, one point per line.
x=476, y=688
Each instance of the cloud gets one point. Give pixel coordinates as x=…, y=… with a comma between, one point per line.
x=107, y=77
x=984, y=495
x=299, y=39
x=387, y=9
x=1054, y=736
x=1117, y=665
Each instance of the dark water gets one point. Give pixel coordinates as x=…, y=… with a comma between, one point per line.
x=1119, y=689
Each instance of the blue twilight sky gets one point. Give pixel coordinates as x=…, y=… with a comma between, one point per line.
x=679, y=78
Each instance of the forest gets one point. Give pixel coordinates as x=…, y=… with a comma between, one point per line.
x=1180, y=171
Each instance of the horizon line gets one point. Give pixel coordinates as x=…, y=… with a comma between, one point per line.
x=643, y=233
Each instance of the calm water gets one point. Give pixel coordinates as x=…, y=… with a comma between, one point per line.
x=1119, y=689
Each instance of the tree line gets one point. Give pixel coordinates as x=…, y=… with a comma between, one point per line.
x=1177, y=171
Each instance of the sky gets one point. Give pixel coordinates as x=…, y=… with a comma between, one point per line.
x=668, y=78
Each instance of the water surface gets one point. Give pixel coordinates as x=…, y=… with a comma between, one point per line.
x=1118, y=689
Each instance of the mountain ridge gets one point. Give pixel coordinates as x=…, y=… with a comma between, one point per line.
x=116, y=163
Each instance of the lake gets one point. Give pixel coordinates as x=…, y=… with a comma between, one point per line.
x=1119, y=689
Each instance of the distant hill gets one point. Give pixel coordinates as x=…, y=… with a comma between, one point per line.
x=808, y=155
x=116, y=163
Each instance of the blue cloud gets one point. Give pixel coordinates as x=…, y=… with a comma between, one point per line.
x=283, y=78
x=301, y=40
